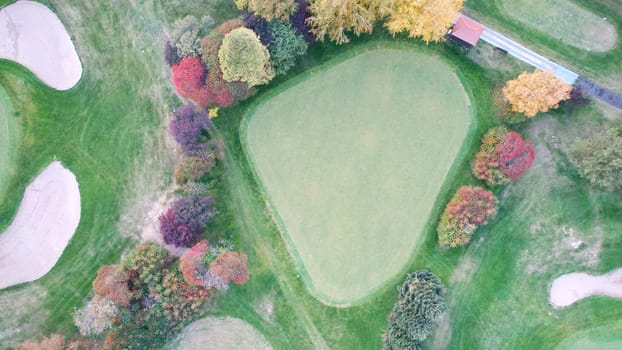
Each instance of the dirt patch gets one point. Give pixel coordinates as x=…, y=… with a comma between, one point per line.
x=572, y=287
x=442, y=334
x=152, y=189
x=465, y=268
x=264, y=307
x=33, y=36
x=212, y=333
x=45, y=221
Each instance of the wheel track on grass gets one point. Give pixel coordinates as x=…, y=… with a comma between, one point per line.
x=264, y=250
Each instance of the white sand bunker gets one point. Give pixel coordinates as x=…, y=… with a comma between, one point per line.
x=212, y=333
x=568, y=288
x=33, y=36
x=46, y=219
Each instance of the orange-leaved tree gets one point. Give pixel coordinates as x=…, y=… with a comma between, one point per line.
x=230, y=266
x=535, y=92
x=428, y=19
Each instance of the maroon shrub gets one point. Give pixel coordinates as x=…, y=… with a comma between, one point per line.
x=174, y=232
x=515, y=155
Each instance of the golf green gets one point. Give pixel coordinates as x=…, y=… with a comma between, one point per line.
x=351, y=158
x=8, y=140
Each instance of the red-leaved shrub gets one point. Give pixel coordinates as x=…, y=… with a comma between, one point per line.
x=230, y=266
x=469, y=208
x=188, y=76
x=191, y=263
x=502, y=157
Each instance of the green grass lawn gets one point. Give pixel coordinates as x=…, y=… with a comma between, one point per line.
x=602, y=337
x=352, y=157
x=9, y=135
x=564, y=20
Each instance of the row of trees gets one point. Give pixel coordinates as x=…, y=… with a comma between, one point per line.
x=426, y=19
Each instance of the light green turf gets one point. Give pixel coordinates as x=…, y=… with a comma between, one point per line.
x=9, y=132
x=565, y=21
x=352, y=159
x=607, y=337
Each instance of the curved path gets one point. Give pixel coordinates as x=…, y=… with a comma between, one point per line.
x=45, y=221
x=33, y=36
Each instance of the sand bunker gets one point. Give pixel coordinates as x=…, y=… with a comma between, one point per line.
x=46, y=219
x=32, y=35
x=212, y=333
x=568, y=288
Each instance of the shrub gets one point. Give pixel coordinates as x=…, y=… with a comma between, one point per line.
x=191, y=263
x=194, y=188
x=194, y=211
x=178, y=301
x=182, y=224
x=515, y=155
x=286, y=48
x=170, y=54
x=144, y=265
x=503, y=156
x=299, y=21
x=188, y=76
x=187, y=127
x=96, y=316
x=469, y=208
x=186, y=34
x=420, y=305
x=209, y=49
x=230, y=266
x=599, y=158
x=176, y=233
x=193, y=168
x=111, y=283
x=243, y=58
x=218, y=88
x=260, y=26
x=229, y=26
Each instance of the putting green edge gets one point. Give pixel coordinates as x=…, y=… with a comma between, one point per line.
x=460, y=158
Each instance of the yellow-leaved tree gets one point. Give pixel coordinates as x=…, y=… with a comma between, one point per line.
x=535, y=92
x=269, y=9
x=428, y=19
x=336, y=17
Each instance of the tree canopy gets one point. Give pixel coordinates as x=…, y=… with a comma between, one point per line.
x=243, y=58
x=286, y=47
x=428, y=19
x=333, y=18
x=535, y=92
x=420, y=304
x=269, y=9
x=599, y=158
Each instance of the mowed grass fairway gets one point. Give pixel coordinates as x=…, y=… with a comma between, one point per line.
x=564, y=20
x=9, y=133
x=352, y=157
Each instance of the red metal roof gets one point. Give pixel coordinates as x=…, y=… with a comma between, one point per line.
x=467, y=30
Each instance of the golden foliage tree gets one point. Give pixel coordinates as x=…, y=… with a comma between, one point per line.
x=535, y=92
x=269, y=9
x=336, y=17
x=428, y=19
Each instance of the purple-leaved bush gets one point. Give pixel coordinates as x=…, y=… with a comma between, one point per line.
x=258, y=25
x=176, y=233
x=187, y=128
x=298, y=20
x=194, y=211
